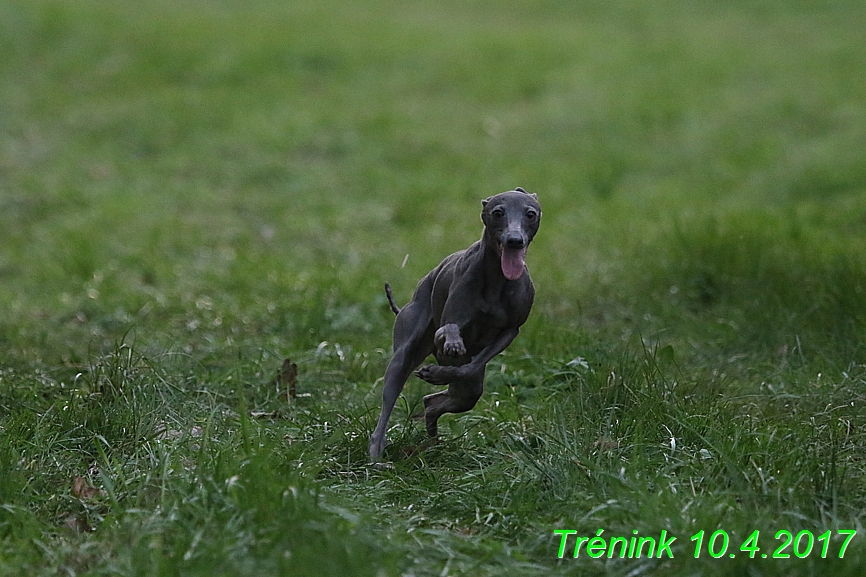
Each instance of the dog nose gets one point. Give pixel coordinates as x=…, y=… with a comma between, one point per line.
x=514, y=241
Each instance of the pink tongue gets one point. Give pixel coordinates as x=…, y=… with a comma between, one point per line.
x=512, y=262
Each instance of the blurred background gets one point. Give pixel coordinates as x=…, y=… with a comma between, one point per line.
x=291, y=154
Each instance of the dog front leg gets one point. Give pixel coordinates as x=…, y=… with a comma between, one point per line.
x=458, y=311
x=448, y=340
x=460, y=397
x=501, y=343
x=444, y=374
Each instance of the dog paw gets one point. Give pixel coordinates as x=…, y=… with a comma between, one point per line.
x=432, y=426
x=377, y=447
x=454, y=348
x=437, y=374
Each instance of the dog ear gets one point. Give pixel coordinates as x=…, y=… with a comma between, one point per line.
x=518, y=189
x=483, y=211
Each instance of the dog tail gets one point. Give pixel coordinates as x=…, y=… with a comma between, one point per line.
x=391, y=302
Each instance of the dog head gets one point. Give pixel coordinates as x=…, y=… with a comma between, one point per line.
x=510, y=222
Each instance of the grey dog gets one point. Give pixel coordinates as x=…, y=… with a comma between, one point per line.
x=464, y=312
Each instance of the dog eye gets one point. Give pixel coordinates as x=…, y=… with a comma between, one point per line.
x=498, y=213
x=531, y=214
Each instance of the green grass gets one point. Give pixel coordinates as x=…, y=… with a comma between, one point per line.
x=192, y=192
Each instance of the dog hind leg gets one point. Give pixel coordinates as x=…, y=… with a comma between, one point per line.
x=412, y=344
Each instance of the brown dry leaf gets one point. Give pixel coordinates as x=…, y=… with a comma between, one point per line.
x=288, y=377
x=78, y=524
x=82, y=489
x=606, y=444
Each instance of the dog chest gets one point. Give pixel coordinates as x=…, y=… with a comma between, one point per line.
x=488, y=321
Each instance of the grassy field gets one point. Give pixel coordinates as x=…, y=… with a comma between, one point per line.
x=191, y=192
